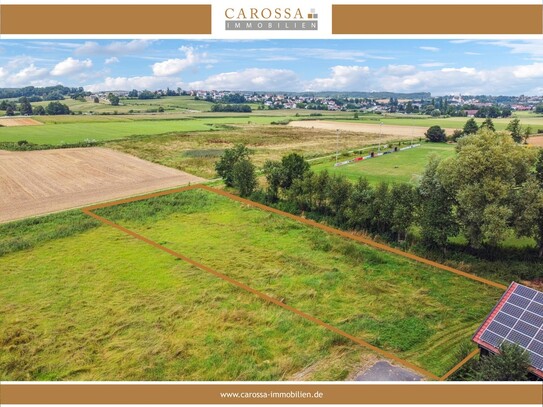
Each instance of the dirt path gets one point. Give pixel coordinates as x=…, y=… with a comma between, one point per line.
x=400, y=131
x=39, y=182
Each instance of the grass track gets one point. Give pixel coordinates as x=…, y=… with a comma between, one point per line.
x=404, y=166
x=396, y=304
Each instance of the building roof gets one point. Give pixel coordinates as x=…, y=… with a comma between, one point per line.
x=518, y=319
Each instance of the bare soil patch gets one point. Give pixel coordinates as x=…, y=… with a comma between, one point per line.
x=536, y=141
x=39, y=182
x=18, y=121
x=385, y=129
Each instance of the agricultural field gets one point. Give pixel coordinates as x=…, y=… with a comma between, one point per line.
x=526, y=118
x=403, y=166
x=169, y=104
x=39, y=182
x=197, y=152
x=81, y=301
x=421, y=314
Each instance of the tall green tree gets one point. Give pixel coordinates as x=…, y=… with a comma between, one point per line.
x=436, y=216
x=358, y=211
x=471, y=127
x=482, y=177
x=244, y=177
x=294, y=167
x=515, y=128
x=404, y=199
x=435, y=134
x=273, y=171
x=230, y=157
x=25, y=108
x=113, y=99
x=488, y=124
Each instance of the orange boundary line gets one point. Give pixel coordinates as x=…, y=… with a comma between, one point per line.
x=460, y=364
x=88, y=211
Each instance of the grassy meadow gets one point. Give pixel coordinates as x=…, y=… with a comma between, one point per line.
x=403, y=166
x=90, y=303
x=421, y=314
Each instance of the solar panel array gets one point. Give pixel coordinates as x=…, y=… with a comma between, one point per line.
x=520, y=321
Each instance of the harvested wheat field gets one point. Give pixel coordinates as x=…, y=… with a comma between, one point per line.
x=18, y=121
x=536, y=141
x=39, y=182
x=385, y=129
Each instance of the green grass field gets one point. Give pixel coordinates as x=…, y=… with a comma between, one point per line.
x=90, y=303
x=403, y=166
x=116, y=127
x=422, y=314
x=169, y=104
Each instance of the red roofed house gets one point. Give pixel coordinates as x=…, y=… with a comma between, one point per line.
x=518, y=319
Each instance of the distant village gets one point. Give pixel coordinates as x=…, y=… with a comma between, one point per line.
x=452, y=105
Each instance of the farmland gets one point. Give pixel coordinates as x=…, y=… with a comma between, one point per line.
x=404, y=166
x=123, y=311
x=197, y=152
x=39, y=182
x=420, y=313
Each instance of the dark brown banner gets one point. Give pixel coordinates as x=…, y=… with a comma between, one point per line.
x=437, y=19
x=105, y=19
x=434, y=394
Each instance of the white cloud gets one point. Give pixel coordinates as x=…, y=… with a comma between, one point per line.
x=472, y=53
x=71, y=66
x=115, y=48
x=529, y=71
x=174, y=66
x=112, y=60
x=250, y=79
x=277, y=58
x=133, y=82
x=3, y=72
x=433, y=64
x=27, y=75
x=533, y=48
x=430, y=49
x=342, y=78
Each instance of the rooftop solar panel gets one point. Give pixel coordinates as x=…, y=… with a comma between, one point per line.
x=525, y=292
x=519, y=301
x=539, y=298
x=505, y=319
x=518, y=319
x=533, y=319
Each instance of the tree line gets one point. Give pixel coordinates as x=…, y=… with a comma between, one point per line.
x=26, y=109
x=492, y=189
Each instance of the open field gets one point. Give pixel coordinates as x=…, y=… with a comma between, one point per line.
x=197, y=152
x=403, y=166
x=169, y=104
x=18, y=121
x=99, y=305
x=385, y=129
x=420, y=313
x=526, y=119
x=38, y=182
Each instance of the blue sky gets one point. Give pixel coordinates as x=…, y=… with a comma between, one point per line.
x=507, y=67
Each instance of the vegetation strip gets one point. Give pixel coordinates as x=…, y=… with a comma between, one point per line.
x=89, y=212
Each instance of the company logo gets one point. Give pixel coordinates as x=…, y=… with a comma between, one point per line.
x=270, y=19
